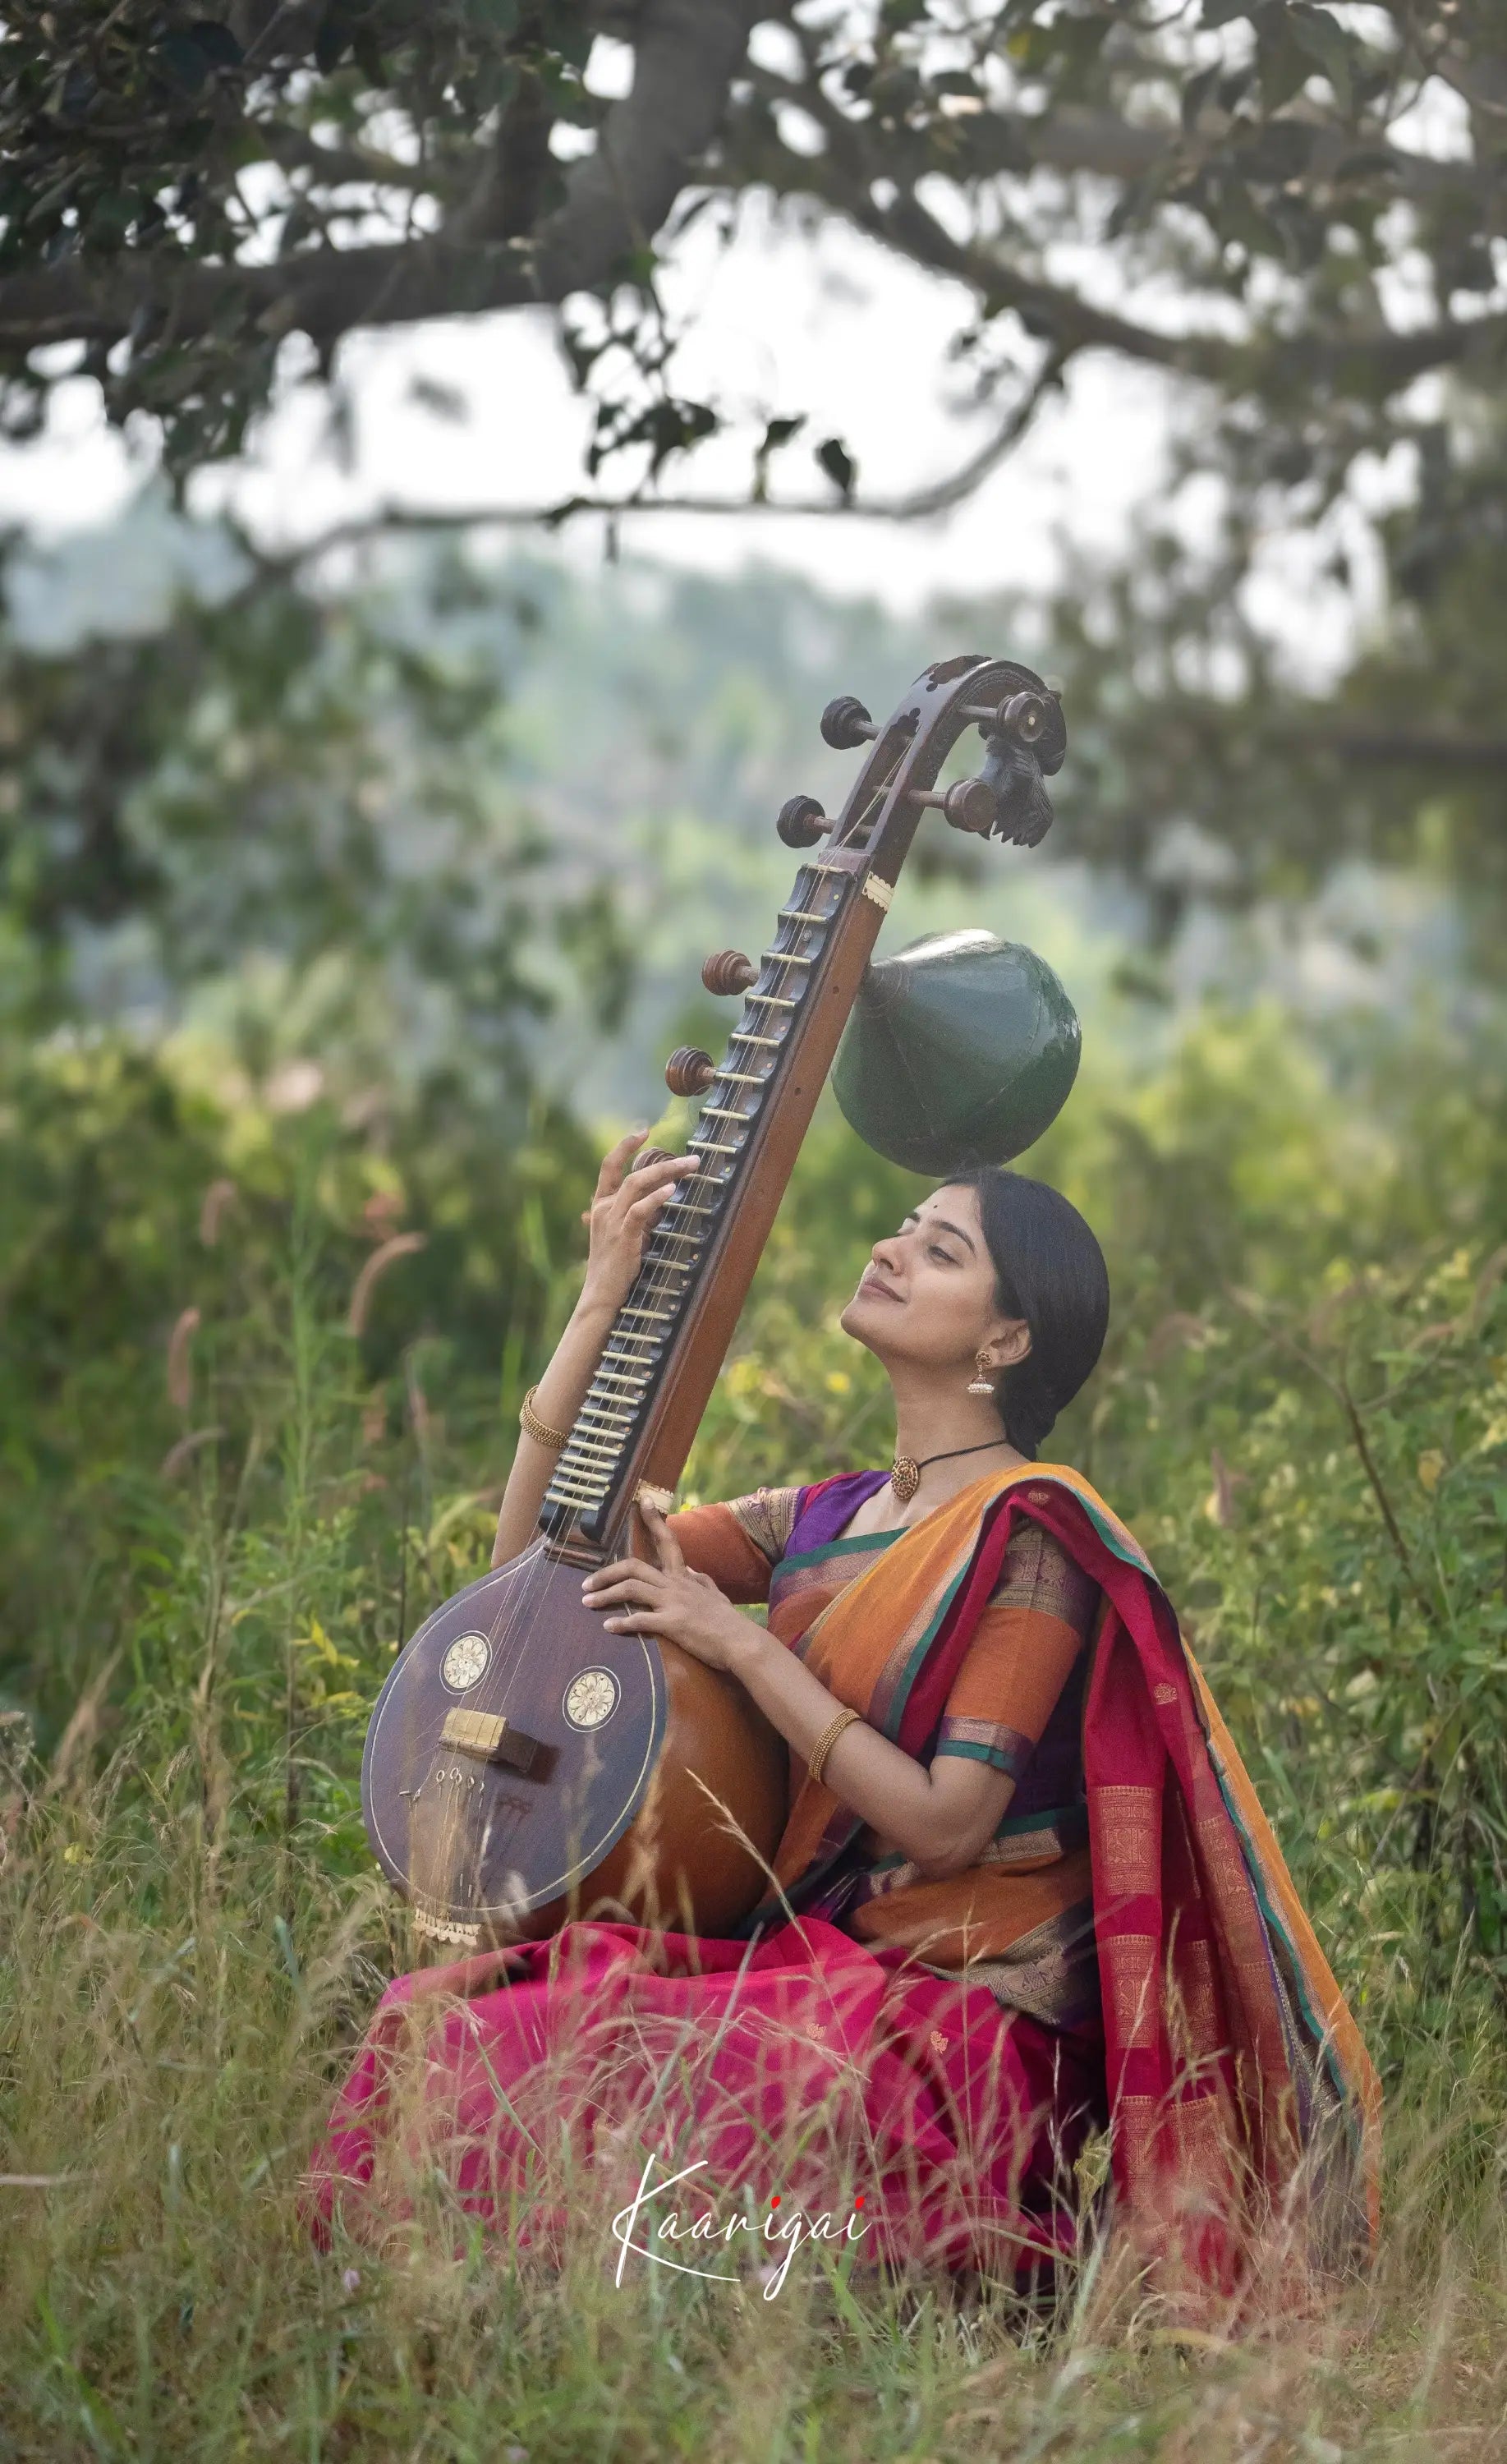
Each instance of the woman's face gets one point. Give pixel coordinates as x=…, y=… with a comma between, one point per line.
x=928, y=1297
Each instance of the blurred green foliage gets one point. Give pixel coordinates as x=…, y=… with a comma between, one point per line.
x=147, y=1189
x=308, y=804
x=1274, y=759
x=459, y=820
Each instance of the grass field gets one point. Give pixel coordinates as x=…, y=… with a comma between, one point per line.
x=178, y=2008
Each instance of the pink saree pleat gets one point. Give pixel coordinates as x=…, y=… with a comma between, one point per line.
x=806, y=2065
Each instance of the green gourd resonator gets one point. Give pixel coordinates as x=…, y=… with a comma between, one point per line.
x=961, y=1050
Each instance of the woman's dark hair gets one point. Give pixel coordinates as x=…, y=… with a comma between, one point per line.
x=1050, y=1270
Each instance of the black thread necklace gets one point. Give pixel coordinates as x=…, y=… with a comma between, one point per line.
x=905, y=1472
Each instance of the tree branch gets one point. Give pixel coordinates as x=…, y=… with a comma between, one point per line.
x=342, y=166
x=842, y=178
x=687, y=56
x=918, y=504
x=687, y=51
x=272, y=565
x=1073, y=137
x=1389, y=359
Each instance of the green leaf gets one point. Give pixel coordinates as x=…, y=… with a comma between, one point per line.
x=497, y=82
x=110, y=218
x=368, y=57
x=217, y=43
x=780, y=431
x=79, y=91
x=1280, y=151
x=1282, y=63
x=283, y=1933
x=181, y=61
x=333, y=41
x=1326, y=41
x=835, y=459
x=442, y=400
x=1197, y=90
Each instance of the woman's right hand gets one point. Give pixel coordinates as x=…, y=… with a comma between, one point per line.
x=621, y=1214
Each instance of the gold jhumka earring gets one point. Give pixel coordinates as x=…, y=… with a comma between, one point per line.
x=980, y=1383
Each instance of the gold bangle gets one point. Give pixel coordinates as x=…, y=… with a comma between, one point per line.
x=820, y=1751
x=540, y=1430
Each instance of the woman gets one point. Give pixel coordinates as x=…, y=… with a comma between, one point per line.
x=1024, y=1893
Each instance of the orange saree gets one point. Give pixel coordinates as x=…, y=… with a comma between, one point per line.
x=1021, y=1920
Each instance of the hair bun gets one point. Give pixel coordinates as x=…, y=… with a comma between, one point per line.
x=1028, y=1405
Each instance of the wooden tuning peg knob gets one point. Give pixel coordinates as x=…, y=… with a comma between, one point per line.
x=845, y=724
x=689, y=1071
x=1024, y=716
x=970, y=804
x=647, y=1156
x=801, y=822
x=728, y=970
x=967, y=804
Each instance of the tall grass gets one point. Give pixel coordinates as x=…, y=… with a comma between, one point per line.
x=171, y=2038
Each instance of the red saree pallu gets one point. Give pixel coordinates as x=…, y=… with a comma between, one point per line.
x=1136, y=1960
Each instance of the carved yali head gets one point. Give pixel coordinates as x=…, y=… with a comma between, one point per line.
x=1027, y=746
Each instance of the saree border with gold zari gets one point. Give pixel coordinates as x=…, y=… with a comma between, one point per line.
x=1239, y=2090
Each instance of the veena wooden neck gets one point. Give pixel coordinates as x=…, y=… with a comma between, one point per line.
x=670, y=1338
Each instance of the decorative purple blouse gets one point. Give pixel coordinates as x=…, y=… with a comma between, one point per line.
x=820, y=1517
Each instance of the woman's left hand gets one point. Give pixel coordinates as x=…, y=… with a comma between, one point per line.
x=670, y=1601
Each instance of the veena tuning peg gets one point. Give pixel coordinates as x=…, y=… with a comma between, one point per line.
x=689, y=1070
x=967, y=804
x=801, y=822
x=1022, y=715
x=845, y=724
x=728, y=970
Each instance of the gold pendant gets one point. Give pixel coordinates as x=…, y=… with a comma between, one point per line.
x=905, y=1478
